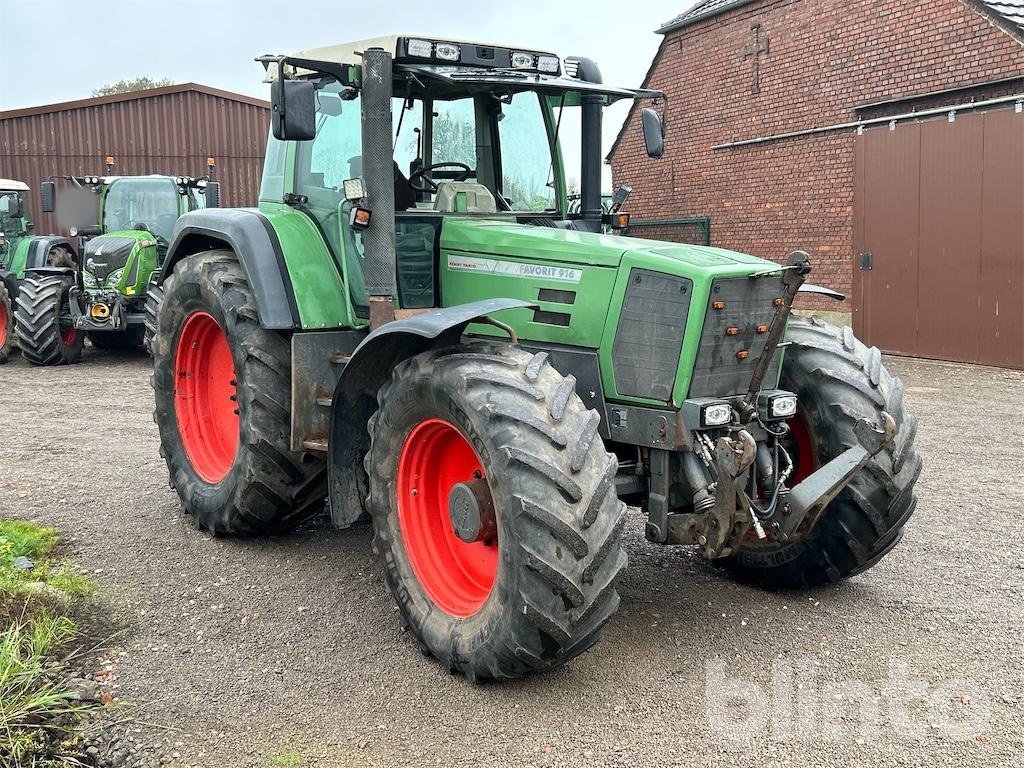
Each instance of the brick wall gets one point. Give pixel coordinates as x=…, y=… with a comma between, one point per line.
x=825, y=58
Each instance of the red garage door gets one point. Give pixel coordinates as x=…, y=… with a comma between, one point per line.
x=939, y=238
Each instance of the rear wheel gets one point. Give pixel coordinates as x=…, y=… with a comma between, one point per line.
x=46, y=332
x=494, y=508
x=223, y=405
x=6, y=323
x=118, y=341
x=839, y=380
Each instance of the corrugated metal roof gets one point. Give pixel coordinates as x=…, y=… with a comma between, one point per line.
x=148, y=93
x=699, y=12
x=1011, y=11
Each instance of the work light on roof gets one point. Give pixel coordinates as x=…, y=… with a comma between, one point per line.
x=447, y=51
x=523, y=60
x=548, y=64
x=422, y=49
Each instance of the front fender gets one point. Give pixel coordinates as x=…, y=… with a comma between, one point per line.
x=355, y=396
x=254, y=241
x=39, y=251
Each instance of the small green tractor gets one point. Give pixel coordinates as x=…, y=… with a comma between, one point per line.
x=414, y=325
x=101, y=288
x=21, y=251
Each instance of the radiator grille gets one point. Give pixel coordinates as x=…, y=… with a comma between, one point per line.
x=649, y=338
x=719, y=371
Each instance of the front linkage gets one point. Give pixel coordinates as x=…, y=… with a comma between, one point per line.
x=725, y=474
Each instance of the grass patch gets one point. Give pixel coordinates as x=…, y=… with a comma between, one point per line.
x=39, y=712
x=288, y=759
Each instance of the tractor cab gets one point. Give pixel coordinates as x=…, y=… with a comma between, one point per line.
x=474, y=134
x=14, y=222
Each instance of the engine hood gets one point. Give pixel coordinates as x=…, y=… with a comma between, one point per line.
x=505, y=238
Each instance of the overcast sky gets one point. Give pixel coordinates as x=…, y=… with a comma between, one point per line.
x=58, y=50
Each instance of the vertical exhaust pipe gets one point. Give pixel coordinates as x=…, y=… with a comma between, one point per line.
x=379, y=180
x=590, y=173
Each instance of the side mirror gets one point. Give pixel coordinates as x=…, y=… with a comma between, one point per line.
x=48, y=196
x=654, y=132
x=293, y=109
x=213, y=194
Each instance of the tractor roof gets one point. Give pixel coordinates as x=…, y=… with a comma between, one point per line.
x=477, y=53
x=9, y=185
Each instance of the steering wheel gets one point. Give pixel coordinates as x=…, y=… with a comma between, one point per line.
x=428, y=184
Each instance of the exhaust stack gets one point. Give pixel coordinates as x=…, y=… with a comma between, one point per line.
x=379, y=180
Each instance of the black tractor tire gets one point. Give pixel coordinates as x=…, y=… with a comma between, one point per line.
x=154, y=298
x=559, y=522
x=6, y=323
x=127, y=340
x=43, y=323
x=839, y=380
x=266, y=487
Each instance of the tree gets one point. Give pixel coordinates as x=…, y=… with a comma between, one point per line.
x=135, y=84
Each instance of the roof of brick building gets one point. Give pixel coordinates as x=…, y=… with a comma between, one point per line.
x=1009, y=12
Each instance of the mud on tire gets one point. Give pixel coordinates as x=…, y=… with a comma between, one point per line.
x=839, y=380
x=43, y=322
x=268, y=488
x=559, y=521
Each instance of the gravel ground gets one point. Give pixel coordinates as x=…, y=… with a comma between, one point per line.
x=288, y=651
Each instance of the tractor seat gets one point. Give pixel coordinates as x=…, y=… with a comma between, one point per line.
x=464, y=197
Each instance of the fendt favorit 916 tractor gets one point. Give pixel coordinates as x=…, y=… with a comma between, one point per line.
x=412, y=324
x=124, y=227
x=20, y=252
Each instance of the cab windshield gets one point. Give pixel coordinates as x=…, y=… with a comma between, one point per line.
x=141, y=203
x=9, y=211
x=503, y=147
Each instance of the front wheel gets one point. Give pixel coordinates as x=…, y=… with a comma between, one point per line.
x=839, y=380
x=46, y=330
x=6, y=323
x=222, y=384
x=494, y=508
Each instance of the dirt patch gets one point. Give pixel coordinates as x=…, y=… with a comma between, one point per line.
x=288, y=651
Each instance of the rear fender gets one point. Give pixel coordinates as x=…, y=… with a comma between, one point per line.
x=355, y=396
x=254, y=241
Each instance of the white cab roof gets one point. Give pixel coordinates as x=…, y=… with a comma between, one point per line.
x=8, y=185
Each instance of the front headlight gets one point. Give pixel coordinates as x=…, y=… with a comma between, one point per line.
x=776, y=405
x=115, y=277
x=89, y=279
x=707, y=413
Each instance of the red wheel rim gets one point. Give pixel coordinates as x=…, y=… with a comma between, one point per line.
x=457, y=576
x=204, y=397
x=3, y=324
x=804, y=456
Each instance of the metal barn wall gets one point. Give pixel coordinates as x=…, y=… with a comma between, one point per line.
x=939, y=238
x=165, y=130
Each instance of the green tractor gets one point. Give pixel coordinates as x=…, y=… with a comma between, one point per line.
x=20, y=251
x=414, y=326
x=102, y=291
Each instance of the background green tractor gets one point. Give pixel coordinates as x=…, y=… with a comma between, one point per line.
x=21, y=250
x=415, y=325
x=123, y=225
